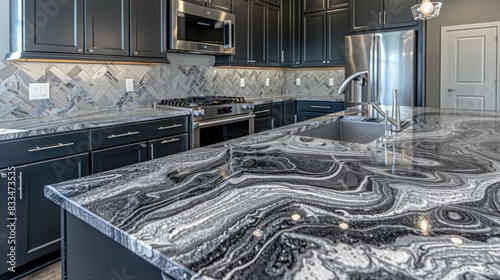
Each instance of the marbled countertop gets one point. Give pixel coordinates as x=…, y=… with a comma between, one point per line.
x=274, y=205
x=80, y=120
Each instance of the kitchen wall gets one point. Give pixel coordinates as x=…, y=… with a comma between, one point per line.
x=88, y=87
x=453, y=12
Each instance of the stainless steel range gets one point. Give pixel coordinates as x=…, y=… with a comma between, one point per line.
x=215, y=118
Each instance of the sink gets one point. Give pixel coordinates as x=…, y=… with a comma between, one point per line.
x=348, y=130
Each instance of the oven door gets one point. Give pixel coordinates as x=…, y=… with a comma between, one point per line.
x=199, y=29
x=215, y=131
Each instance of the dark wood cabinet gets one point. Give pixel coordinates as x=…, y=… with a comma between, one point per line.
x=54, y=27
x=312, y=109
x=273, y=35
x=241, y=10
x=263, y=124
x=257, y=32
x=286, y=33
x=296, y=33
x=289, y=112
x=336, y=4
x=148, y=36
x=378, y=14
x=277, y=114
x=309, y=6
x=314, y=38
x=116, y=157
x=107, y=27
x=38, y=219
x=168, y=146
x=338, y=28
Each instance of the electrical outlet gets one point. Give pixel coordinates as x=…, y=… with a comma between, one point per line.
x=39, y=91
x=331, y=82
x=297, y=81
x=242, y=82
x=267, y=82
x=129, y=85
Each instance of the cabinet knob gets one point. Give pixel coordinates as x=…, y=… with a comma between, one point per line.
x=90, y=51
x=79, y=50
x=135, y=53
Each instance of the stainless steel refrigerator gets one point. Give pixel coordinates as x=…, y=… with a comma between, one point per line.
x=390, y=59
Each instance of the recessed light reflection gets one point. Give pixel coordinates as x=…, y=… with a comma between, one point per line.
x=296, y=217
x=424, y=224
x=343, y=225
x=456, y=240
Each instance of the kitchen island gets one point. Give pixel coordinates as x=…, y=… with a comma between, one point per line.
x=276, y=205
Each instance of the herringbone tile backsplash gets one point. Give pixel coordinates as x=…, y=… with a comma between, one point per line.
x=87, y=87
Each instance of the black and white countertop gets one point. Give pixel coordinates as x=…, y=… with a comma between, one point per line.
x=274, y=205
x=14, y=129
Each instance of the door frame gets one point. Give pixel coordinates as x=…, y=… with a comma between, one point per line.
x=444, y=47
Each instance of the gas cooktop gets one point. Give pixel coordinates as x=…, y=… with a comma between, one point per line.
x=201, y=101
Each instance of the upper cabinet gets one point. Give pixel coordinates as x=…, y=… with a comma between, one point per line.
x=379, y=14
x=121, y=30
x=336, y=4
x=223, y=5
x=310, y=6
x=107, y=27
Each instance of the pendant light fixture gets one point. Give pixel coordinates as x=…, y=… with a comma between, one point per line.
x=426, y=10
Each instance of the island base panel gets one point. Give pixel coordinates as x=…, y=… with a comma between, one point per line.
x=89, y=254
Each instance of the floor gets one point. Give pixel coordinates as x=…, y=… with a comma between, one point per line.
x=52, y=272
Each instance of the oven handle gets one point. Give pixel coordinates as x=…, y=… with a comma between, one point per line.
x=225, y=121
x=229, y=37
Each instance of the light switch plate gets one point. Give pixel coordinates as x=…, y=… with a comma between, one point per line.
x=242, y=82
x=331, y=82
x=39, y=91
x=267, y=82
x=297, y=81
x=129, y=85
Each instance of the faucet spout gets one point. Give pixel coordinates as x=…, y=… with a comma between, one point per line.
x=348, y=80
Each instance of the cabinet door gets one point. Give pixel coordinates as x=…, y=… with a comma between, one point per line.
x=276, y=2
x=277, y=114
x=289, y=112
x=263, y=124
x=107, y=27
x=397, y=13
x=338, y=28
x=286, y=33
x=296, y=33
x=148, y=35
x=168, y=146
x=223, y=5
x=116, y=157
x=258, y=32
x=366, y=14
x=241, y=10
x=309, y=6
x=314, y=39
x=38, y=219
x=304, y=116
x=273, y=35
x=54, y=27
x=335, y=4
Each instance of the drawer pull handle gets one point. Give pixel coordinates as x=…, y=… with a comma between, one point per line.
x=170, y=140
x=263, y=111
x=20, y=185
x=152, y=151
x=320, y=107
x=60, y=145
x=169, y=127
x=123, y=135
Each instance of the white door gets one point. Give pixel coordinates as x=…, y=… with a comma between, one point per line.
x=469, y=66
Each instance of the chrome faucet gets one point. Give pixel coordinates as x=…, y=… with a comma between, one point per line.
x=348, y=80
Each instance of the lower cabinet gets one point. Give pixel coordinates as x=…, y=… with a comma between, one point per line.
x=38, y=230
x=307, y=110
x=289, y=112
x=274, y=115
x=168, y=146
x=277, y=114
x=116, y=157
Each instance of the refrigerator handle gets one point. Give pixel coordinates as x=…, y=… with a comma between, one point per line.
x=371, y=72
x=378, y=65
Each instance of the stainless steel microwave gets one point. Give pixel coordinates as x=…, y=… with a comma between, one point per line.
x=198, y=29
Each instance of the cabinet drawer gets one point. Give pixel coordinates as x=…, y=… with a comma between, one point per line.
x=168, y=146
x=116, y=157
x=39, y=148
x=319, y=106
x=263, y=110
x=141, y=131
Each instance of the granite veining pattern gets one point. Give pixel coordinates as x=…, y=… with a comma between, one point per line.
x=81, y=120
x=275, y=205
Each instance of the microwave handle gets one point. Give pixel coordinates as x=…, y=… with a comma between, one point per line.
x=229, y=43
